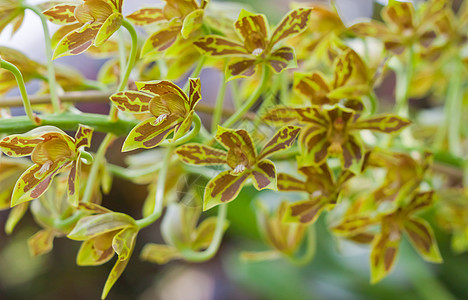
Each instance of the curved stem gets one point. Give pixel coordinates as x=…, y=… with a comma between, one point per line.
x=196, y=72
x=374, y=102
x=310, y=249
x=455, y=108
x=160, y=190
x=130, y=63
x=251, y=101
x=216, y=119
x=24, y=95
x=50, y=65
x=212, y=249
x=68, y=121
x=91, y=182
x=404, y=74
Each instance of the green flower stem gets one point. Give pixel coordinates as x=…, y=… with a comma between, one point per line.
x=196, y=72
x=50, y=65
x=68, y=121
x=455, y=107
x=93, y=173
x=251, y=101
x=133, y=174
x=65, y=224
x=278, y=86
x=216, y=119
x=374, y=101
x=24, y=95
x=212, y=249
x=404, y=74
x=235, y=94
x=309, y=252
x=160, y=190
x=130, y=63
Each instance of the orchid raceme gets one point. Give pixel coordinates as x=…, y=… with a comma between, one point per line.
x=103, y=235
x=96, y=21
x=177, y=19
x=322, y=187
x=52, y=151
x=171, y=108
x=344, y=89
x=243, y=160
x=331, y=132
x=258, y=45
x=386, y=243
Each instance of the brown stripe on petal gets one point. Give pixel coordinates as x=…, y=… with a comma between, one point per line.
x=293, y=23
x=254, y=30
x=146, y=16
x=229, y=193
x=389, y=257
x=268, y=168
x=214, y=45
x=199, y=154
x=244, y=67
x=161, y=40
x=420, y=235
x=282, y=140
x=262, y=180
x=131, y=101
x=83, y=136
x=306, y=211
x=61, y=14
x=72, y=179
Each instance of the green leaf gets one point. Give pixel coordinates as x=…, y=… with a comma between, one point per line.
x=282, y=140
x=192, y=22
x=422, y=238
x=198, y=154
x=212, y=45
x=41, y=242
x=148, y=135
x=111, y=25
x=131, y=101
x=264, y=175
x=77, y=41
x=292, y=24
x=223, y=188
x=92, y=226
